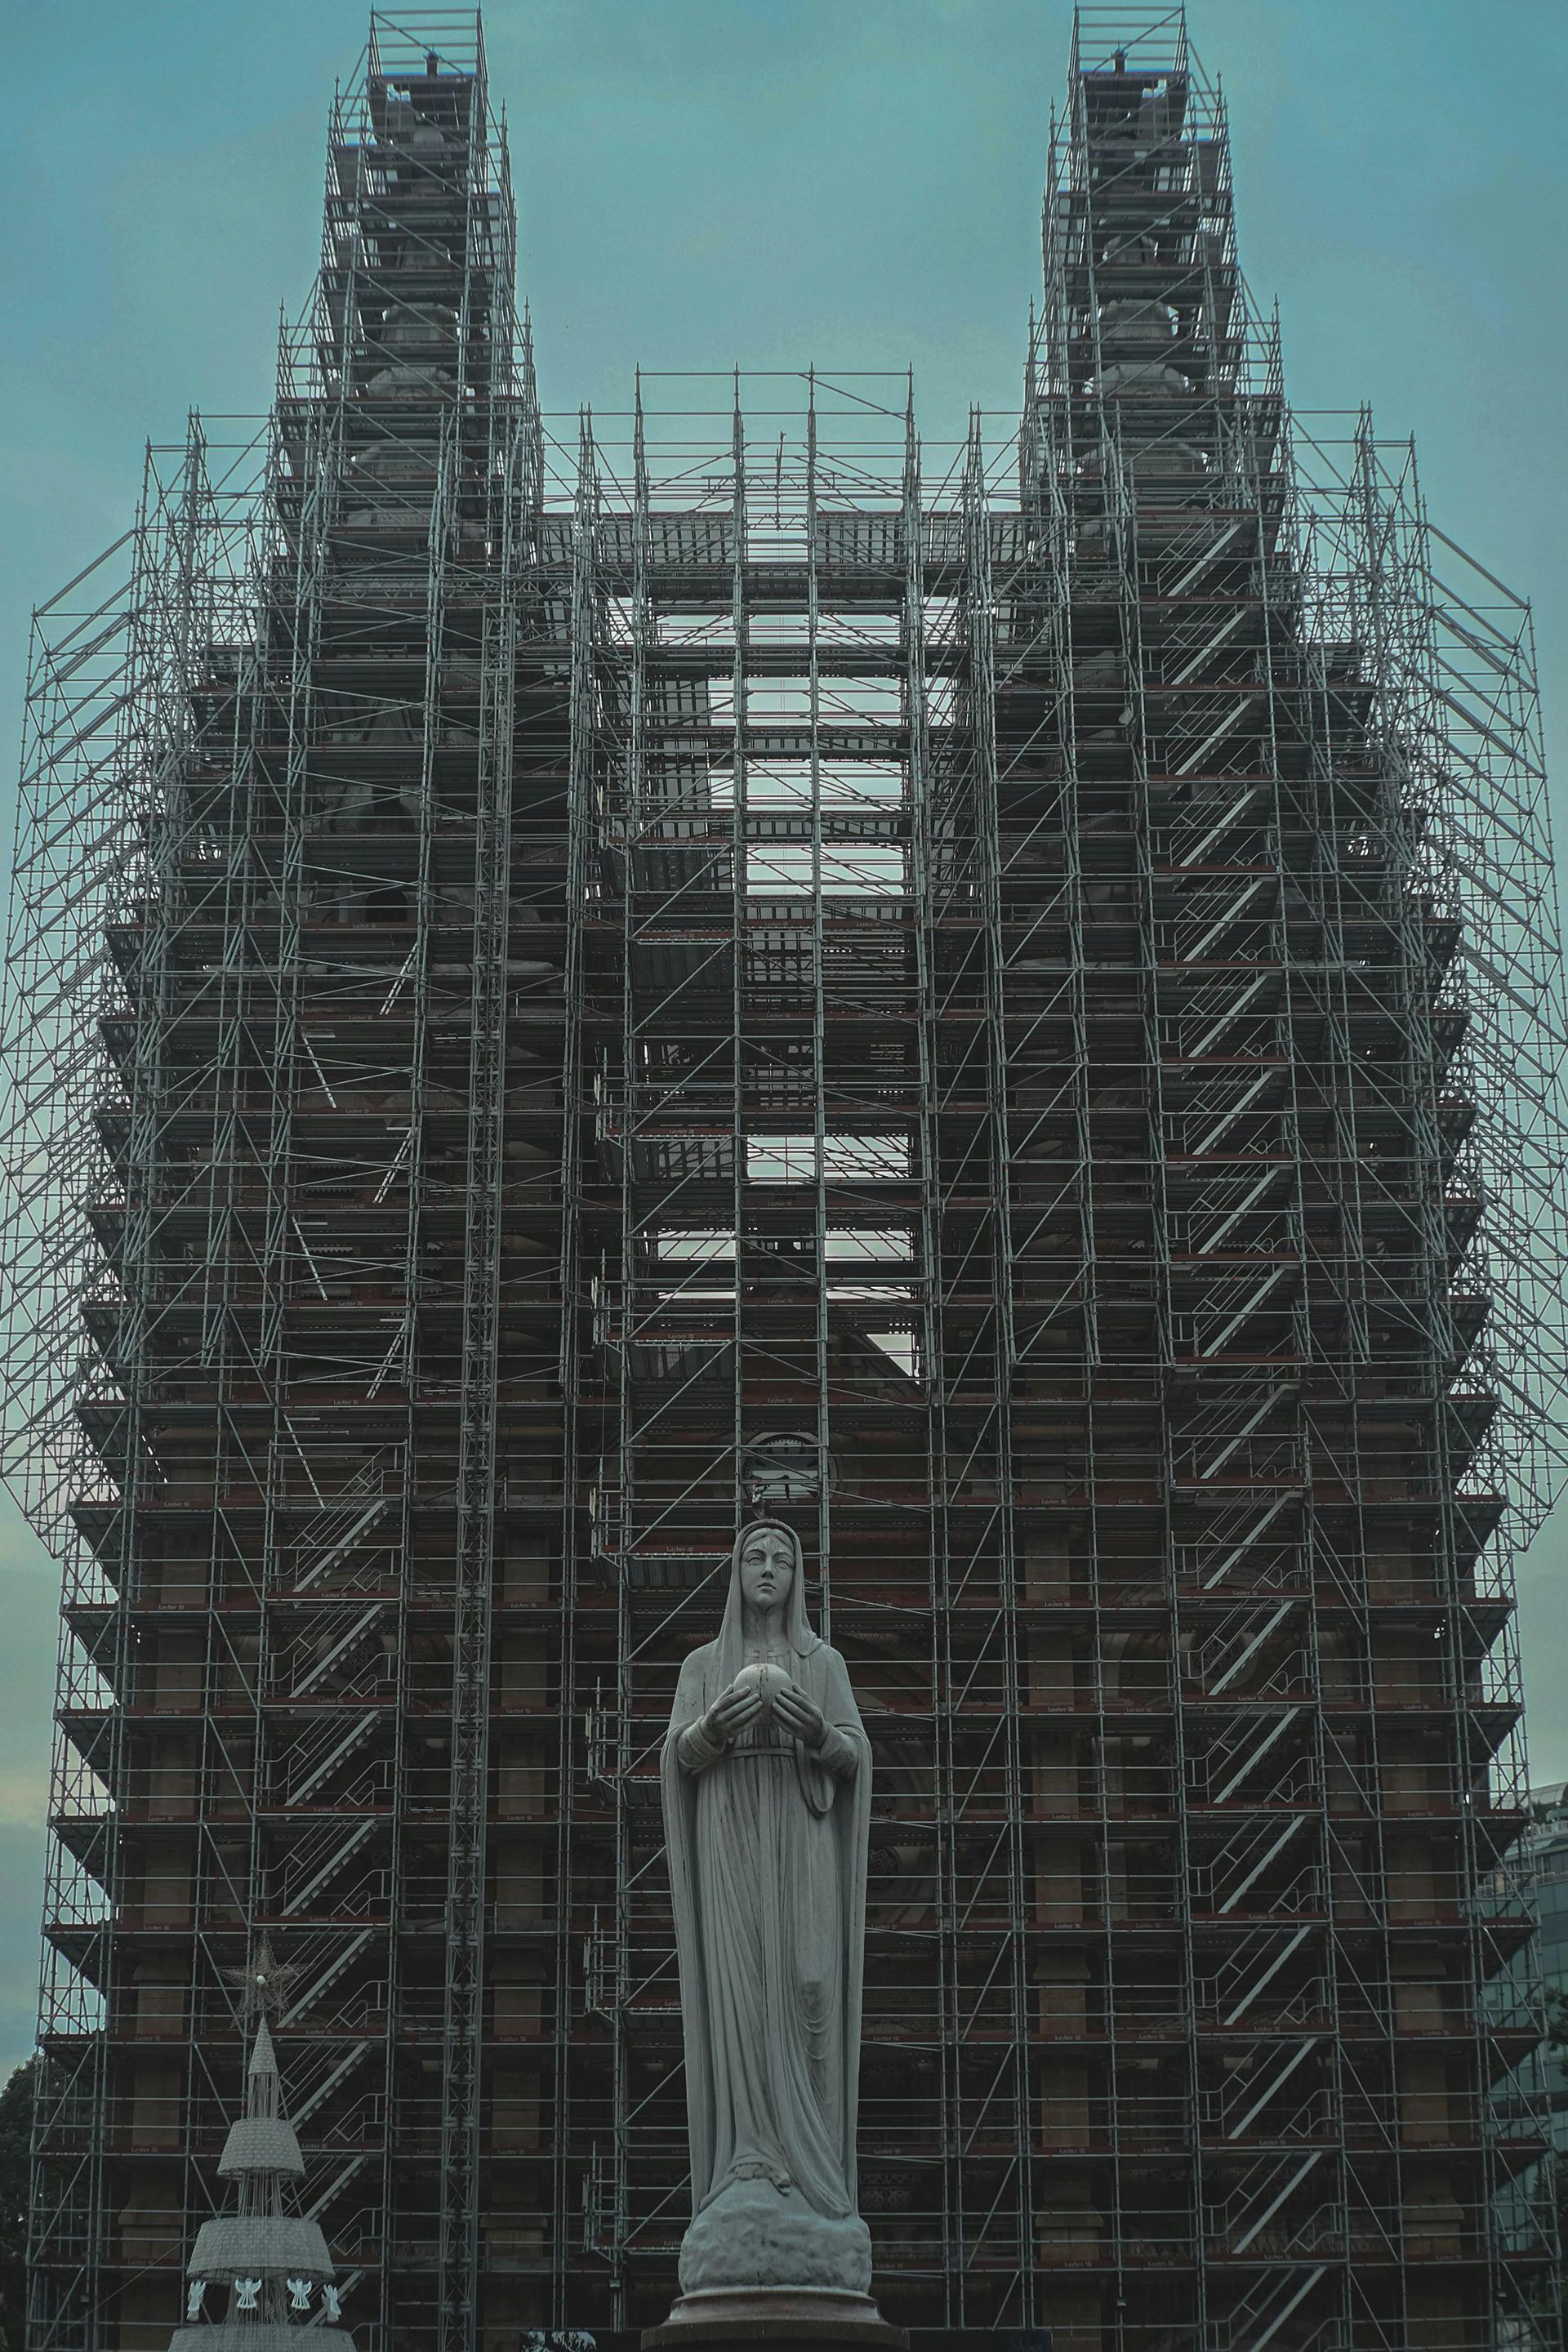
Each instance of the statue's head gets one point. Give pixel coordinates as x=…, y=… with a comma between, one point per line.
x=767, y=1572
x=769, y=1556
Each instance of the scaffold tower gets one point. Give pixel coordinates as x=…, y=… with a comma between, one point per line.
x=997, y=1000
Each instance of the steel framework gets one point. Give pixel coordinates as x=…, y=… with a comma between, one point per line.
x=1002, y=1002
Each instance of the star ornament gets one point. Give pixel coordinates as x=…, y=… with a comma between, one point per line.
x=264, y=1983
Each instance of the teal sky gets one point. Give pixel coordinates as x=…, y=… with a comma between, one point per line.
x=855, y=182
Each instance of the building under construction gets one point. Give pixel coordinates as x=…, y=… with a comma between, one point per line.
x=998, y=1000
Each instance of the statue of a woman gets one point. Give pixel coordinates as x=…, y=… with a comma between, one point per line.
x=767, y=1808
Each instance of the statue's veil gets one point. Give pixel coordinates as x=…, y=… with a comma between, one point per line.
x=797, y=1631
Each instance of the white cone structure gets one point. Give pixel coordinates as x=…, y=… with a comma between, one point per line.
x=257, y=2275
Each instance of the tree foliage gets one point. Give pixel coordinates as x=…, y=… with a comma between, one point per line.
x=15, y=2132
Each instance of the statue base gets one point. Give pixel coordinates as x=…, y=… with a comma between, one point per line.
x=784, y=2318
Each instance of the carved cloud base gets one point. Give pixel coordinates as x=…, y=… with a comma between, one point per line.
x=754, y=2235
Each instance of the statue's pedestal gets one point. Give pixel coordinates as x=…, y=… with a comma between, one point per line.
x=784, y=2318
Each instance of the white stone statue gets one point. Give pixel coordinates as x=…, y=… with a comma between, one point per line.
x=767, y=1809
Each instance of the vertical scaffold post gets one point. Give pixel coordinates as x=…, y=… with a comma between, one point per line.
x=582, y=821
x=463, y=2036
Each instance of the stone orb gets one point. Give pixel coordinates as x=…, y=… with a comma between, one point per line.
x=767, y=1681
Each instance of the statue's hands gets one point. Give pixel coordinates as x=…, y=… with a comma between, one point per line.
x=797, y=1713
x=731, y=1713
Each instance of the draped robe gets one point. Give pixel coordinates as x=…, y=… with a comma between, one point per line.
x=767, y=1859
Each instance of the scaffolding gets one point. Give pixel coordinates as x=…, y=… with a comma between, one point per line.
x=576, y=982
